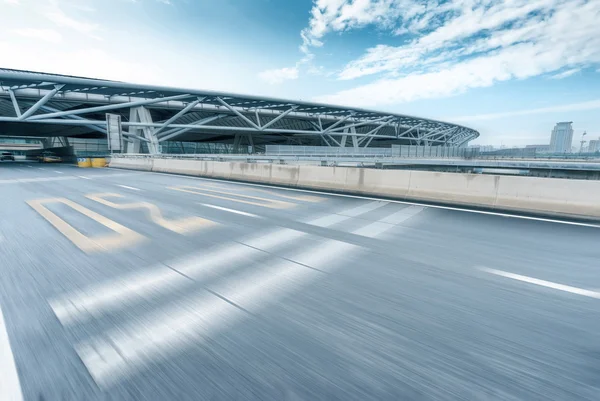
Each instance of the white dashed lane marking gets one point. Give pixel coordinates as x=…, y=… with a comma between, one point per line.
x=127, y=187
x=226, y=209
x=543, y=283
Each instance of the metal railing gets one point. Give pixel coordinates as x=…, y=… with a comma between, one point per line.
x=404, y=151
x=382, y=161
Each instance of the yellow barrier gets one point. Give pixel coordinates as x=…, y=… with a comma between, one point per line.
x=98, y=162
x=84, y=162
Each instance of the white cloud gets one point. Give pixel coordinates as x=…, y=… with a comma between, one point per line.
x=12, y=2
x=90, y=62
x=582, y=106
x=84, y=7
x=47, y=35
x=60, y=18
x=483, y=44
x=340, y=15
x=277, y=76
x=566, y=74
x=480, y=26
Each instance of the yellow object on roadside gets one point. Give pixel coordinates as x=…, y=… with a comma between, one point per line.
x=84, y=162
x=98, y=162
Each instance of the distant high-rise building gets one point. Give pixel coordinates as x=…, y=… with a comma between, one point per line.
x=594, y=145
x=562, y=138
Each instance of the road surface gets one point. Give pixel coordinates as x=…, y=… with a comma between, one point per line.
x=124, y=285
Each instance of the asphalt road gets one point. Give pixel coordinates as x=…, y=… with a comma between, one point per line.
x=122, y=285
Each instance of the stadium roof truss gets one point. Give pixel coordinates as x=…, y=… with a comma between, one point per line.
x=58, y=105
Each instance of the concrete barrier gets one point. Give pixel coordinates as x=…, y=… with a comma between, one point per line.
x=284, y=175
x=145, y=164
x=252, y=172
x=554, y=196
x=328, y=178
x=388, y=183
x=188, y=167
x=220, y=170
x=550, y=196
x=463, y=189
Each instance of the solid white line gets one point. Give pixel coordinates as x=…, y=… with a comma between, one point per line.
x=10, y=388
x=84, y=177
x=230, y=210
x=458, y=209
x=543, y=283
x=126, y=187
x=58, y=172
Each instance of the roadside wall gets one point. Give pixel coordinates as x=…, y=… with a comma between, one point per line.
x=549, y=196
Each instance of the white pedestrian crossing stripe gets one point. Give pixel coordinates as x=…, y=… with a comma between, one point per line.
x=228, y=291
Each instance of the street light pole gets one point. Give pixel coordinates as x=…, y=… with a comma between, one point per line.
x=582, y=142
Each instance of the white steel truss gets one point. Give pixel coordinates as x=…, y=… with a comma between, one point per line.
x=153, y=115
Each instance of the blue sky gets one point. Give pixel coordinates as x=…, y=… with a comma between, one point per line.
x=510, y=69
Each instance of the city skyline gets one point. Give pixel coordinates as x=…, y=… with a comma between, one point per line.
x=589, y=144
x=508, y=69
x=582, y=143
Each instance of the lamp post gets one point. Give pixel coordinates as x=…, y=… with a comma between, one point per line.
x=582, y=142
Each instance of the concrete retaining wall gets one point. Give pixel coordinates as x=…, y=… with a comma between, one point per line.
x=555, y=197
x=133, y=164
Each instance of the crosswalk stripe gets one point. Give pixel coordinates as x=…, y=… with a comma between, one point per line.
x=126, y=349
x=403, y=215
x=367, y=207
x=373, y=229
x=332, y=219
x=384, y=224
x=83, y=305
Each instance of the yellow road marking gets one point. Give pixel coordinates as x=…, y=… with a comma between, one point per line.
x=181, y=226
x=125, y=237
x=271, y=203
